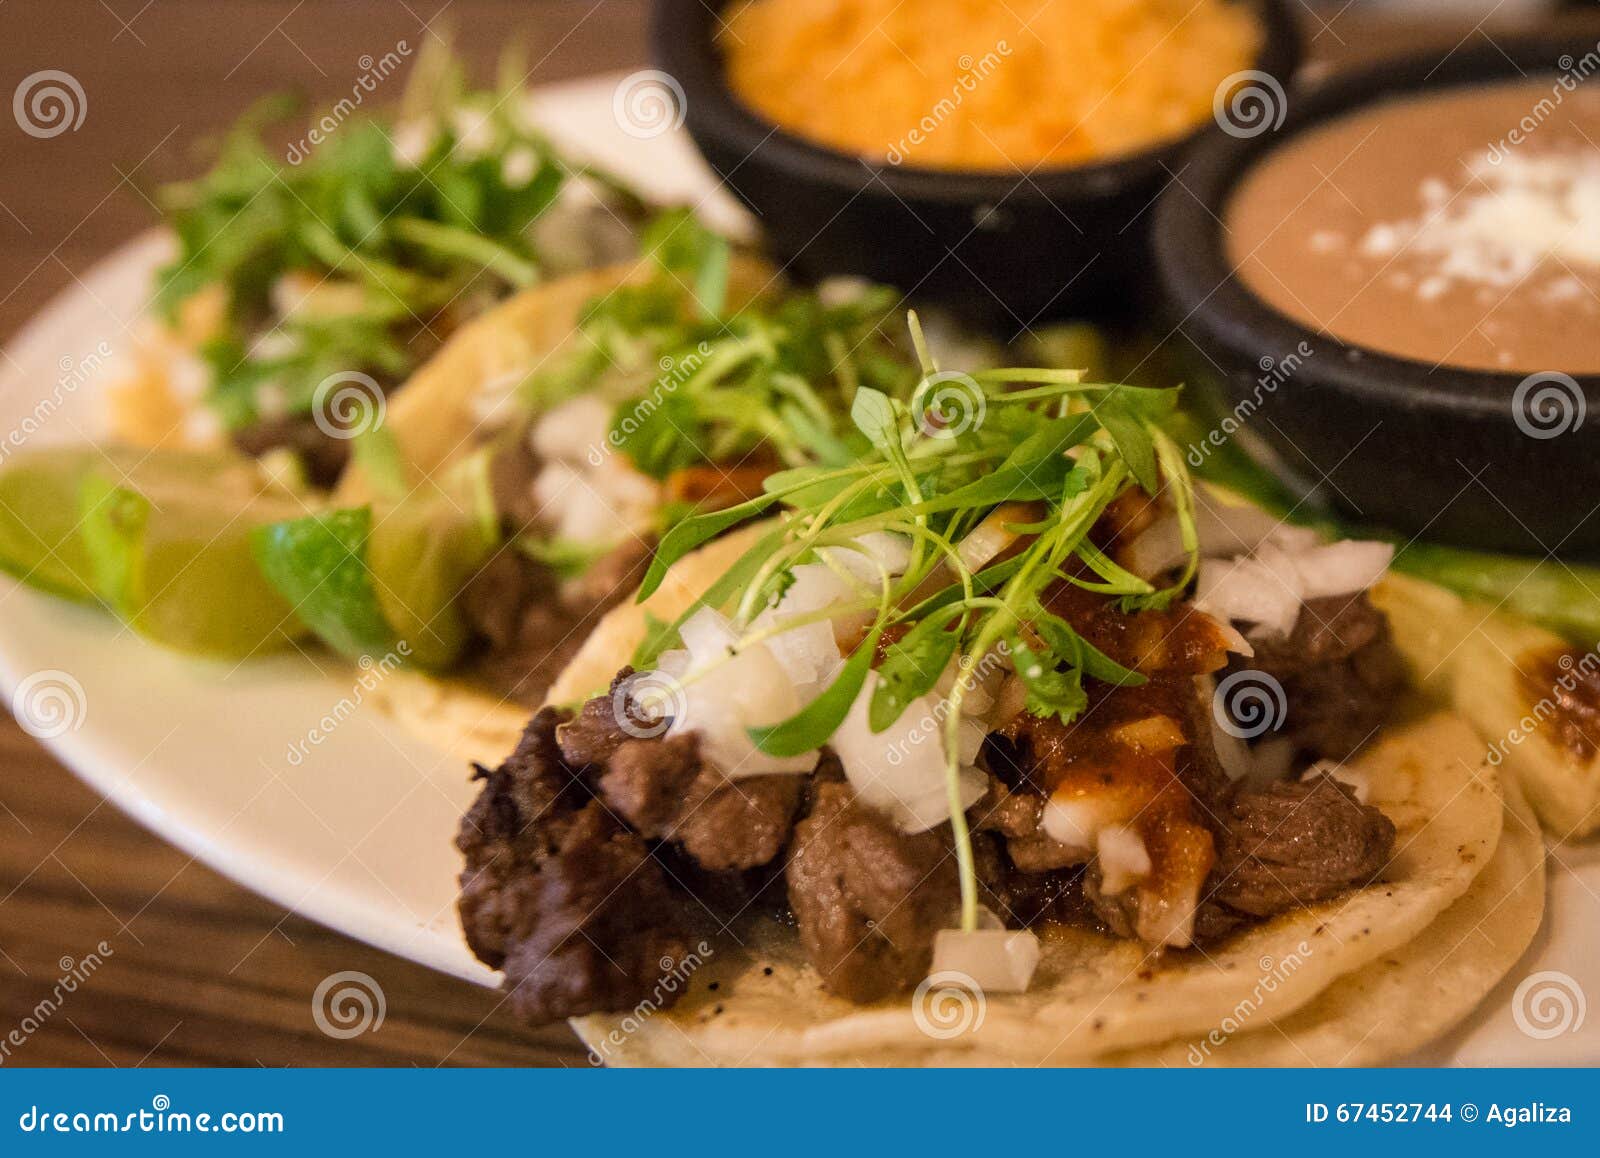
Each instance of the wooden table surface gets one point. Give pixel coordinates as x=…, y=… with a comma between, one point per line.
x=202, y=971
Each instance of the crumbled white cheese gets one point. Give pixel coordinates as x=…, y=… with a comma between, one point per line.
x=1502, y=224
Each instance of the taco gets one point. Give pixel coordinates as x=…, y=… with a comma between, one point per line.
x=551, y=444
x=1003, y=745
x=299, y=296
x=489, y=512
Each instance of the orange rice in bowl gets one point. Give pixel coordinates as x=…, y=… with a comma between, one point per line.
x=980, y=85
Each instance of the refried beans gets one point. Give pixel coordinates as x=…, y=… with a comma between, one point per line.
x=1460, y=228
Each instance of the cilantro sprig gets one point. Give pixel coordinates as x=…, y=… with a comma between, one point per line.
x=390, y=228
x=1064, y=447
x=700, y=374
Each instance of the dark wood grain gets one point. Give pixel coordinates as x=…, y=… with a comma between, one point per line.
x=201, y=971
x=196, y=971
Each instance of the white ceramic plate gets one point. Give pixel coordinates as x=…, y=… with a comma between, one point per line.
x=357, y=833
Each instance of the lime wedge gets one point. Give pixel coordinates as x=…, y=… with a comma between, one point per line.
x=169, y=545
x=367, y=585
x=317, y=563
x=39, y=542
x=161, y=538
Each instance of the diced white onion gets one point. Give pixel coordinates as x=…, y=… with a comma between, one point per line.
x=1156, y=550
x=674, y=664
x=982, y=682
x=572, y=508
x=1252, y=591
x=809, y=652
x=1151, y=734
x=1171, y=923
x=593, y=506
x=1227, y=529
x=1234, y=642
x=1341, y=568
x=568, y=432
x=1124, y=860
x=971, y=736
x=707, y=633
x=871, y=554
x=1233, y=754
x=1076, y=821
x=1223, y=531
x=1292, y=538
x=996, y=960
x=724, y=693
x=841, y=290
x=901, y=770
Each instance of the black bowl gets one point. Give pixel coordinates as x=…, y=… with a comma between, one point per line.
x=1458, y=455
x=998, y=245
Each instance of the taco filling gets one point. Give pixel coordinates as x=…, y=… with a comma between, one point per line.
x=680, y=393
x=979, y=685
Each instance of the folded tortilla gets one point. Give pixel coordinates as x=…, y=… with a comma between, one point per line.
x=1097, y=999
x=436, y=420
x=1458, y=904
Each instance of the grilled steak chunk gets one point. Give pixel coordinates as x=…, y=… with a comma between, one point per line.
x=591, y=737
x=1292, y=844
x=1340, y=675
x=1281, y=847
x=867, y=899
x=664, y=791
x=1017, y=816
x=587, y=847
x=558, y=894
